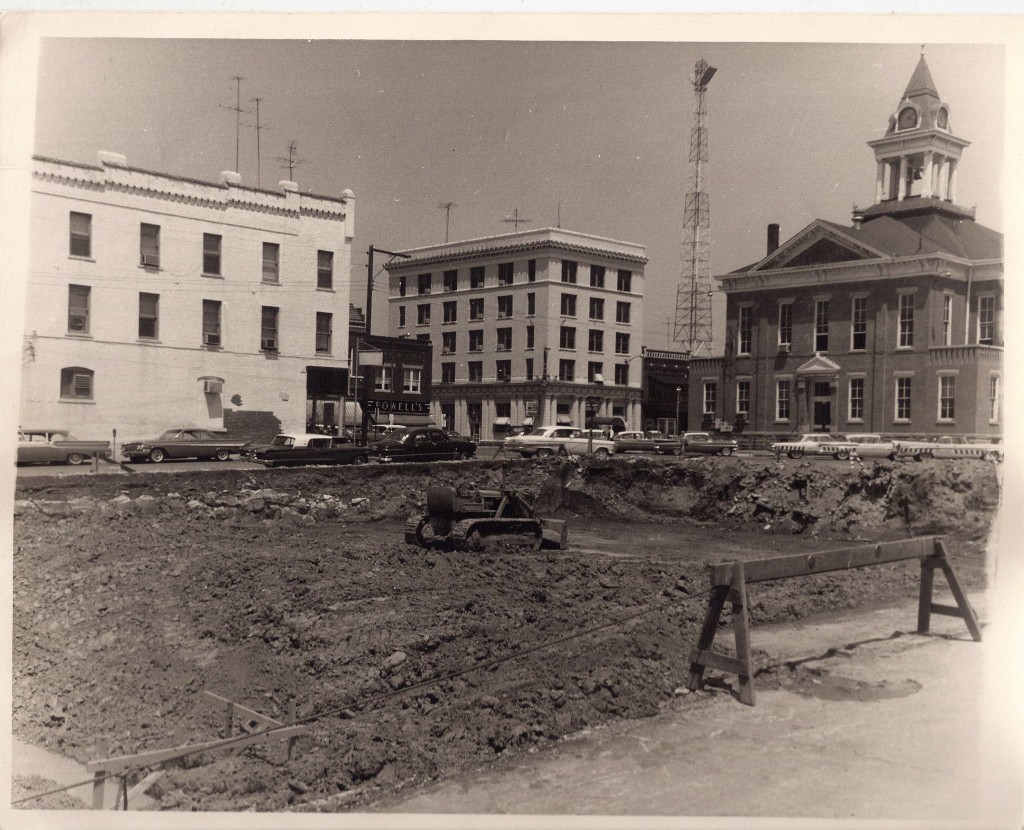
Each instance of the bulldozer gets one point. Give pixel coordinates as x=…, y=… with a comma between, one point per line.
x=489, y=517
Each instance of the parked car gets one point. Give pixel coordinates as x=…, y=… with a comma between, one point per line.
x=635, y=441
x=952, y=446
x=296, y=449
x=548, y=440
x=424, y=444
x=869, y=445
x=182, y=443
x=700, y=442
x=57, y=446
x=815, y=443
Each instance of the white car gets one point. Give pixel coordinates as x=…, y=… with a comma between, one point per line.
x=545, y=441
x=815, y=443
x=952, y=446
x=870, y=445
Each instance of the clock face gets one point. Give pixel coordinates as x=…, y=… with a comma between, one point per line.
x=943, y=119
x=908, y=119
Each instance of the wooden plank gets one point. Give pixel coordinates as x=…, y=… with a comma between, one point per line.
x=946, y=610
x=244, y=712
x=145, y=784
x=99, y=775
x=958, y=593
x=924, y=597
x=707, y=633
x=782, y=567
x=157, y=756
x=721, y=662
x=741, y=629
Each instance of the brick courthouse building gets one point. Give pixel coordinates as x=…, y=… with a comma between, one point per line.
x=891, y=325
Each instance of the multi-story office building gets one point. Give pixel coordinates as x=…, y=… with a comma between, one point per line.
x=528, y=328
x=890, y=325
x=156, y=301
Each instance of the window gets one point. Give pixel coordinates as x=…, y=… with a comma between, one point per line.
x=78, y=308
x=505, y=273
x=859, y=324
x=505, y=307
x=81, y=235
x=531, y=304
x=569, y=271
x=742, y=398
x=568, y=305
x=595, y=340
x=148, y=314
x=622, y=313
x=786, y=326
x=567, y=337
x=503, y=409
x=450, y=311
x=268, y=329
x=476, y=309
x=624, y=281
x=401, y=316
x=149, y=245
x=76, y=382
x=906, y=315
x=271, y=262
x=993, y=399
x=423, y=314
x=211, y=254
x=382, y=378
x=476, y=276
x=622, y=374
x=529, y=337
x=423, y=338
x=401, y=286
x=451, y=280
x=782, y=400
x=476, y=371
x=986, y=320
x=324, y=324
x=710, y=389
x=476, y=340
x=504, y=340
x=856, y=402
x=597, y=276
x=567, y=370
x=903, y=398
x=596, y=308
x=423, y=283
x=448, y=342
x=447, y=373
x=947, y=320
x=531, y=271
x=621, y=343
x=503, y=370
x=595, y=368
x=325, y=269
x=411, y=380
x=947, y=397
x=745, y=336
x=821, y=326
x=529, y=368
x=211, y=322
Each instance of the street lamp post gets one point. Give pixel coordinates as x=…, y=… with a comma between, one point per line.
x=366, y=334
x=679, y=390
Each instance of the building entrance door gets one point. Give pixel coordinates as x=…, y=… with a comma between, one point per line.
x=822, y=407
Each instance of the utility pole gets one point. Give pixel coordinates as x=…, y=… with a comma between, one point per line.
x=447, y=208
x=259, y=128
x=237, y=109
x=366, y=333
x=291, y=162
x=515, y=218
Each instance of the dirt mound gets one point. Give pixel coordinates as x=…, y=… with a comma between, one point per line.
x=131, y=600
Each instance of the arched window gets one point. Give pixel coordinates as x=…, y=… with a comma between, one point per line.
x=76, y=383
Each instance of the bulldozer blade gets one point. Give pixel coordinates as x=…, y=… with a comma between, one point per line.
x=556, y=533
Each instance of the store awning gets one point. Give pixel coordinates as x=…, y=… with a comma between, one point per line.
x=502, y=422
x=528, y=421
x=563, y=421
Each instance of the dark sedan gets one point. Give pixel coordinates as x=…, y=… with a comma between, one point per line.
x=424, y=444
x=182, y=443
x=699, y=442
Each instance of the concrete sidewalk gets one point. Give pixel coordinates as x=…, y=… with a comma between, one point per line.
x=887, y=725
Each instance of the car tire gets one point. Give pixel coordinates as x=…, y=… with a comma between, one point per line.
x=544, y=453
x=726, y=451
x=222, y=454
x=843, y=455
x=795, y=453
x=919, y=456
x=677, y=451
x=156, y=455
x=601, y=452
x=360, y=459
x=464, y=456
x=891, y=456
x=76, y=458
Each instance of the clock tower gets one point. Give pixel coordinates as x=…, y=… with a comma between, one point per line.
x=917, y=157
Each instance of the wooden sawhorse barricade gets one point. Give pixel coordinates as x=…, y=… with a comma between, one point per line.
x=729, y=581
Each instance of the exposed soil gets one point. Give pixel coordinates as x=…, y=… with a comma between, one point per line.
x=132, y=597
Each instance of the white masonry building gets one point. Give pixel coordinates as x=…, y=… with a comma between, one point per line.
x=155, y=301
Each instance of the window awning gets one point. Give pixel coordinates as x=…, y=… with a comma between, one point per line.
x=563, y=420
x=528, y=421
x=502, y=422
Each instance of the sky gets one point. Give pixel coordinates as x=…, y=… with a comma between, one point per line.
x=590, y=133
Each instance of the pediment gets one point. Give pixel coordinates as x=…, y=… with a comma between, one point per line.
x=816, y=245
x=818, y=365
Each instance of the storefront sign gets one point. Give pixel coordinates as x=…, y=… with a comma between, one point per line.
x=399, y=407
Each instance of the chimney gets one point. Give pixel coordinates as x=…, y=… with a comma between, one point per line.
x=773, y=238
x=858, y=218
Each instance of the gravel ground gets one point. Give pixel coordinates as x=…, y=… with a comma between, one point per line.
x=133, y=598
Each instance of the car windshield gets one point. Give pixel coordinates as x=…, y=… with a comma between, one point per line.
x=538, y=431
x=282, y=441
x=170, y=435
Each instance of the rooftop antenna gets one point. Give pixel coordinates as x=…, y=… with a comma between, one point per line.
x=447, y=208
x=259, y=128
x=237, y=109
x=291, y=162
x=515, y=218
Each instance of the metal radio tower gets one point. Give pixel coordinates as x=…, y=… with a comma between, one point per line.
x=693, y=295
